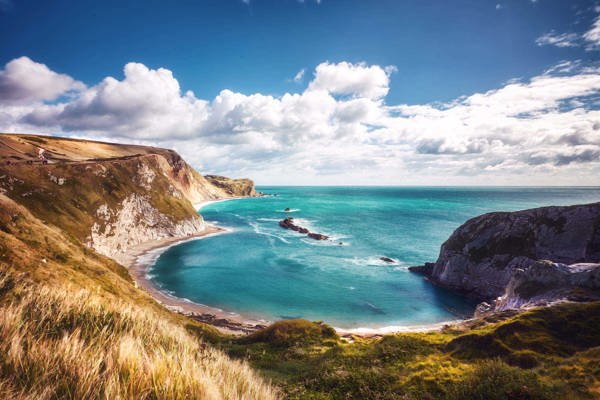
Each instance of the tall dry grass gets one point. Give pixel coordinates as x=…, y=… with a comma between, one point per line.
x=64, y=343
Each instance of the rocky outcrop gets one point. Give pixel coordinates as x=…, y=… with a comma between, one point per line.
x=136, y=221
x=233, y=187
x=499, y=254
x=546, y=281
x=288, y=223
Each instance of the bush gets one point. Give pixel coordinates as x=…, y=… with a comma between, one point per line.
x=292, y=332
x=495, y=380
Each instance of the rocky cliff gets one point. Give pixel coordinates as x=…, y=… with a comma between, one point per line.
x=108, y=196
x=233, y=187
x=500, y=255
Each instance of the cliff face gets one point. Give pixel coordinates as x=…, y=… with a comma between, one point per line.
x=110, y=197
x=233, y=187
x=481, y=257
x=546, y=281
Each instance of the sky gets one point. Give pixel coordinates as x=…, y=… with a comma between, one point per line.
x=343, y=92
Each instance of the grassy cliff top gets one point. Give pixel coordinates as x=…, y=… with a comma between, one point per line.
x=19, y=148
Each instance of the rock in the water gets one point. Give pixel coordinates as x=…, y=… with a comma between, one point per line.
x=388, y=260
x=288, y=223
x=317, y=236
x=287, y=209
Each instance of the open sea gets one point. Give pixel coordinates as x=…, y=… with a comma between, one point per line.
x=263, y=271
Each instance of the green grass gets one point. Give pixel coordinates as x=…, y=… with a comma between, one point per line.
x=542, y=354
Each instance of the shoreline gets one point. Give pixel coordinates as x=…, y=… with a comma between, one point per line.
x=139, y=259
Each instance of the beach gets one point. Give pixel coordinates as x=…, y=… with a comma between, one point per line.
x=139, y=259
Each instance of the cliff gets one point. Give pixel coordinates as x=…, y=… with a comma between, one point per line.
x=110, y=197
x=499, y=254
x=233, y=187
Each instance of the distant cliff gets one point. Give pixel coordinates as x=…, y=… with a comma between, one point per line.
x=233, y=187
x=108, y=196
x=522, y=257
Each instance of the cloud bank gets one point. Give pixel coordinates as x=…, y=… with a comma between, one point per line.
x=338, y=130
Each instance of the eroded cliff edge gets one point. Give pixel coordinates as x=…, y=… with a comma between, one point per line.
x=523, y=258
x=110, y=197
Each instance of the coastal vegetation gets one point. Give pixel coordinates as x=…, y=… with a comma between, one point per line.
x=545, y=353
x=74, y=326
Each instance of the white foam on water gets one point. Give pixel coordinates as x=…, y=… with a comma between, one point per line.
x=259, y=231
x=396, y=328
x=375, y=261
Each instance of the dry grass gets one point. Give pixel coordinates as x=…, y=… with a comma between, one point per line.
x=66, y=343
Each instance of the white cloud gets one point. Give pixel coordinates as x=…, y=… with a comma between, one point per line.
x=592, y=36
x=498, y=6
x=299, y=76
x=24, y=81
x=340, y=130
x=558, y=39
x=358, y=80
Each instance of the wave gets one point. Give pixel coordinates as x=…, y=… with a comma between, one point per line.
x=376, y=262
x=257, y=229
x=396, y=328
x=333, y=236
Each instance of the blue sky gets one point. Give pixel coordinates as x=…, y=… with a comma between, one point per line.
x=429, y=54
x=443, y=49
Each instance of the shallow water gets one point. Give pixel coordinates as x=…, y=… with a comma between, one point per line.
x=263, y=271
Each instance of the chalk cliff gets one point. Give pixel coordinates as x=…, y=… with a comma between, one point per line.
x=108, y=196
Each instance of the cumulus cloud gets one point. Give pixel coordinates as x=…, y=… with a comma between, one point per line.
x=339, y=129
x=23, y=80
x=145, y=104
x=359, y=80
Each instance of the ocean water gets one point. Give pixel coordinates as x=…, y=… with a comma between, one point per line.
x=263, y=271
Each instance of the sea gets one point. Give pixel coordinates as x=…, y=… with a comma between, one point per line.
x=262, y=271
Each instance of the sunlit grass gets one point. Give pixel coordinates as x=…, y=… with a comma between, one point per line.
x=71, y=344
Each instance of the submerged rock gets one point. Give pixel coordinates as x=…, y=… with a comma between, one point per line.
x=388, y=260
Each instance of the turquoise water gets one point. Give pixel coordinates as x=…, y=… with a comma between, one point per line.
x=260, y=270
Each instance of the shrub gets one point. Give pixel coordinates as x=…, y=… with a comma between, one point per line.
x=495, y=380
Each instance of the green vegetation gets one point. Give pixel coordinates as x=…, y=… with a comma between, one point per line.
x=542, y=354
x=234, y=187
x=73, y=326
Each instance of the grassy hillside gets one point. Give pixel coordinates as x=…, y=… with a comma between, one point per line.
x=551, y=353
x=73, y=325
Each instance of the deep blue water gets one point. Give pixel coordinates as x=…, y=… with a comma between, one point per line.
x=263, y=271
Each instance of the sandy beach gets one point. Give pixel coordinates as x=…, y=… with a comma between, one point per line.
x=139, y=259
